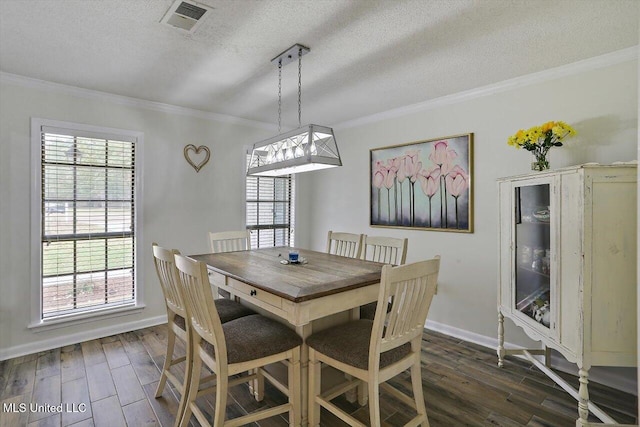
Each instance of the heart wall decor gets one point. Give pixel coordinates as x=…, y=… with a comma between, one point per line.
x=188, y=149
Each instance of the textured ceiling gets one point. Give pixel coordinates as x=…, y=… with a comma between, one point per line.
x=366, y=56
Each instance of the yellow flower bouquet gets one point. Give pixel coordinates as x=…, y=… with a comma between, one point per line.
x=539, y=139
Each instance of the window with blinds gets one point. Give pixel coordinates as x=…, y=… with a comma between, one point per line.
x=270, y=210
x=88, y=227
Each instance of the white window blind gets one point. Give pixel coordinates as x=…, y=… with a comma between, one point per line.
x=270, y=210
x=88, y=231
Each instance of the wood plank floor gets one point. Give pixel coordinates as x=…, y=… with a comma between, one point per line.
x=112, y=381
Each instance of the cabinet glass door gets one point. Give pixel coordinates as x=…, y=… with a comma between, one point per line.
x=533, y=253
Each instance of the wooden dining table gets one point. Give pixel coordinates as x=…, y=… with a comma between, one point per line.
x=304, y=295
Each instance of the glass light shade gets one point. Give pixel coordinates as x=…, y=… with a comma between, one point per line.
x=308, y=148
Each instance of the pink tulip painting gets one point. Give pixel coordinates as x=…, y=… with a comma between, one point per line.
x=389, y=182
x=457, y=182
x=443, y=156
x=379, y=174
x=441, y=168
x=429, y=181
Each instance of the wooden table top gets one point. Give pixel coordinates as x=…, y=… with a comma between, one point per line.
x=322, y=275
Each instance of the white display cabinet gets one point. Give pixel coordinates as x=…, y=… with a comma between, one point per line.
x=567, y=268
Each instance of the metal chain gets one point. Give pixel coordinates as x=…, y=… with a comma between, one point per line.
x=299, y=87
x=279, y=96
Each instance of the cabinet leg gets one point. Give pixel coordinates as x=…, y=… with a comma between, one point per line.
x=547, y=356
x=583, y=398
x=500, y=340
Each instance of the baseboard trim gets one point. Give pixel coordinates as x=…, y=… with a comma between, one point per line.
x=91, y=334
x=599, y=374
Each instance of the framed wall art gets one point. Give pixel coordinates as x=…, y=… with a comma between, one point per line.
x=425, y=185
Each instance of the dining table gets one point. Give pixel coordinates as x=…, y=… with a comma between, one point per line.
x=306, y=294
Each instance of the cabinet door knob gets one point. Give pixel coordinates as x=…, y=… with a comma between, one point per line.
x=253, y=292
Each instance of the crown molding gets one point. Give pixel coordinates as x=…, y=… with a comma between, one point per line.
x=602, y=61
x=613, y=58
x=18, y=80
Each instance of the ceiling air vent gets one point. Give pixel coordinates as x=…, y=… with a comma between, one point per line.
x=185, y=15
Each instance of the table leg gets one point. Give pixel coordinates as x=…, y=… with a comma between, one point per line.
x=304, y=331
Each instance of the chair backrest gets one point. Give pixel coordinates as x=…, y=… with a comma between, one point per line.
x=410, y=288
x=389, y=250
x=165, y=264
x=201, y=309
x=230, y=241
x=344, y=244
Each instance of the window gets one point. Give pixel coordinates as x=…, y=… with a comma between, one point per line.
x=270, y=210
x=87, y=224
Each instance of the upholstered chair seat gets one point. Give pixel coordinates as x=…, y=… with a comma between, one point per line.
x=231, y=310
x=180, y=322
x=368, y=311
x=255, y=337
x=349, y=344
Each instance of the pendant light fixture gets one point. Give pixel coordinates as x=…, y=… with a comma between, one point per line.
x=308, y=148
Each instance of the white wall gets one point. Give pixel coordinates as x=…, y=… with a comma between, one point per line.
x=601, y=103
x=180, y=205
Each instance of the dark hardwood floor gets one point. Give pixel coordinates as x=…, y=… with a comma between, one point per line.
x=112, y=381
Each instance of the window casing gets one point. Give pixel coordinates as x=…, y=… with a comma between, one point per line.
x=87, y=191
x=270, y=210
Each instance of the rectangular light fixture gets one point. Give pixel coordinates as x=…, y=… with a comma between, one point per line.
x=307, y=148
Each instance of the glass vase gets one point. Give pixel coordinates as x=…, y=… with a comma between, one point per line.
x=540, y=162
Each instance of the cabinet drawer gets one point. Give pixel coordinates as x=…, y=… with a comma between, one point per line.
x=217, y=279
x=250, y=293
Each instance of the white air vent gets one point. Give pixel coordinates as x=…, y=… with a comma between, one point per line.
x=185, y=15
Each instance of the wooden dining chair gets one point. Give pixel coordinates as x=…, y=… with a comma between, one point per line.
x=229, y=241
x=177, y=326
x=388, y=250
x=344, y=244
x=236, y=352
x=372, y=352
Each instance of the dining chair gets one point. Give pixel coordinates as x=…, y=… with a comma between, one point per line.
x=177, y=326
x=344, y=244
x=388, y=250
x=373, y=352
x=236, y=352
x=229, y=241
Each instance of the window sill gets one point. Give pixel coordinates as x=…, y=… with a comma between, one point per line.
x=77, y=319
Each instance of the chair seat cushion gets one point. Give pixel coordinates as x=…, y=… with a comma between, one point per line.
x=230, y=310
x=254, y=337
x=368, y=311
x=349, y=343
x=227, y=310
x=180, y=322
